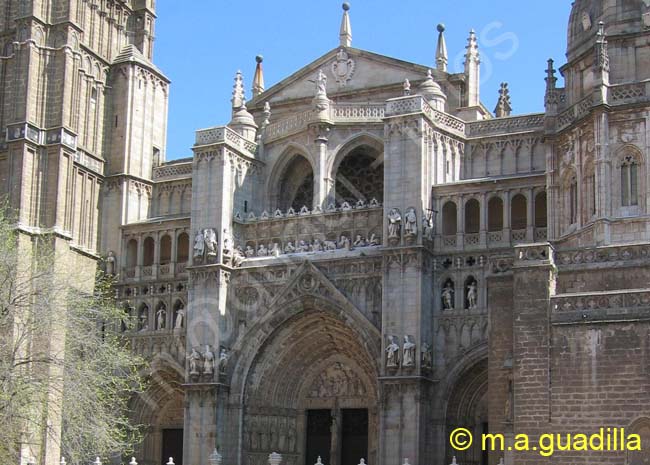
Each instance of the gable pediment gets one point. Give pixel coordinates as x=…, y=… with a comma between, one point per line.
x=348, y=70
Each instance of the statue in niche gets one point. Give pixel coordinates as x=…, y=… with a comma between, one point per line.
x=110, y=263
x=472, y=295
x=427, y=356
x=317, y=246
x=275, y=251
x=321, y=84
x=411, y=223
x=406, y=87
x=409, y=352
x=144, y=320
x=360, y=241
x=392, y=353
x=161, y=316
x=194, y=359
x=250, y=252
x=223, y=361
x=448, y=296
x=262, y=251
x=289, y=248
x=238, y=257
x=344, y=243
x=180, y=316
x=330, y=245
x=428, y=228
x=208, y=361
x=199, y=247
x=226, y=244
x=210, y=243
x=394, y=224
x=374, y=240
x=303, y=247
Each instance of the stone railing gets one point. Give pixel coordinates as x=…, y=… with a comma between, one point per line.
x=355, y=112
x=537, y=253
x=449, y=241
x=608, y=254
x=417, y=104
x=628, y=93
x=224, y=134
x=599, y=306
x=541, y=234
x=288, y=126
x=575, y=112
x=495, y=236
x=307, y=232
x=518, y=235
x=510, y=124
x=173, y=170
x=472, y=239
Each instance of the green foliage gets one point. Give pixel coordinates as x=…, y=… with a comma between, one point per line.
x=61, y=354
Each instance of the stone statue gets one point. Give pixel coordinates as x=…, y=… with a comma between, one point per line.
x=472, y=295
x=409, y=352
x=226, y=244
x=303, y=247
x=195, y=359
x=360, y=241
x=392, y=353
x=289, y=248
x=210, y=242
x=406, y=86
x=344, y=243
x=238, y=257
x=427, y=227
x=275, y=251
x=374, y=240
x=110, y=263
x=448, y=296
x=411, y=226
x=223, y=361
x=330, y=245
x=321, y=84
x=317, y=246
x=427, y=356
x=199, y=246
x=208, y=361
x=262, y=251
x=144, y=320
x=180, y=316
x=161, y=315
x=394, y=224
x=250, y=252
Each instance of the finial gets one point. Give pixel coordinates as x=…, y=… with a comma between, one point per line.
x=602, y=52
x=215, y=457
x=274, y=457
x=258, y=80
x=133, y=462
x=345, y=35
x=503, y=108
x=171, y=461
x=63, y=461
x=550, y=75
x=453, y=461
x=319, y=461
x=238, y=99
x=441, y=51
x=267, y=114
x=97, y=461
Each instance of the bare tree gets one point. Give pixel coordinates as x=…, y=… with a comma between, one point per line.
x=66, y=375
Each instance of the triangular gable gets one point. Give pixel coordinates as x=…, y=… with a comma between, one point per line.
x=308, y=280
x=370, y=70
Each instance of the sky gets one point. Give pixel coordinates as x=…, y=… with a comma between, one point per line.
x=200, y=44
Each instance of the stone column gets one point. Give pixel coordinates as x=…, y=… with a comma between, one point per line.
x=460, y=223
x=323, y=194
x=156, y=256
x=506, y=217
x=530, y=217
x=140, y=261
x=172, y=260
x=484, y=214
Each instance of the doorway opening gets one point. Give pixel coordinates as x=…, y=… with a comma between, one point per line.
x=172, y=446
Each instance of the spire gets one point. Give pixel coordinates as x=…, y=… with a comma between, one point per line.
x=503, y=108
x=238, y=100
x=345, y=35
x=441, y=51
x=258, y=80
x=472, y=70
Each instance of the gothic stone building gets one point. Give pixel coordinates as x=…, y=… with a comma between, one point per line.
x=365, y=257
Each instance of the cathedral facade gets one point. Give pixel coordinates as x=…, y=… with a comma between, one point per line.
x=365, y=257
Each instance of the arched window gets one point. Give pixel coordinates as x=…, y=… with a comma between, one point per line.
x=472, y=216
x=495, y=214
x=573, y=201
x=182, y=248
x=132, y=253
x=449, y=226
x=629, y=182
x=165, y=250
x=296, y=188
x=540, y=210
x=360, y=176
x=179, y=315
x=148, y=251
x=518, y=213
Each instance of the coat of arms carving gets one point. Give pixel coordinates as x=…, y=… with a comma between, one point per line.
x=343, y=68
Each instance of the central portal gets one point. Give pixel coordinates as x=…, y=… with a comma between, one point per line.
x=337, y=437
